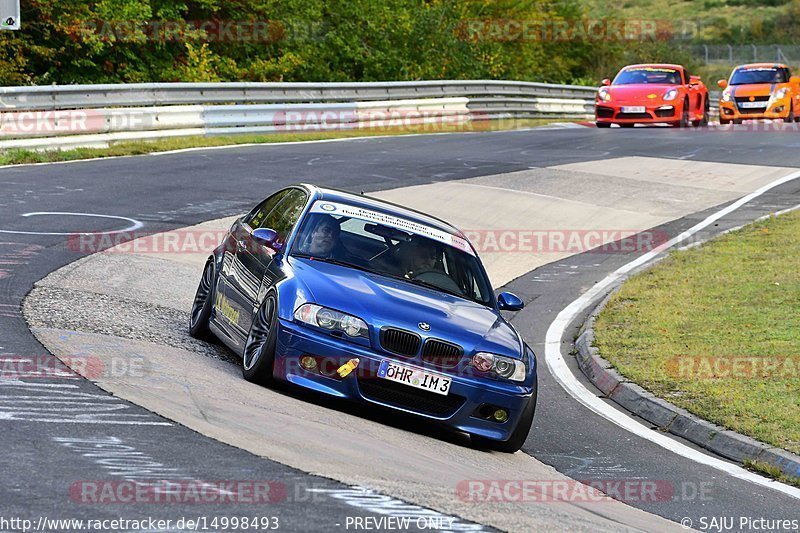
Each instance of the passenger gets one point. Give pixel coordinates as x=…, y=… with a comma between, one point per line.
x=419, y=255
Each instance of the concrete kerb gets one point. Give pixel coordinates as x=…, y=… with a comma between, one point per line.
x=670, y=418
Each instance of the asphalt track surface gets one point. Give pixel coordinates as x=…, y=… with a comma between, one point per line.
x=176, y=190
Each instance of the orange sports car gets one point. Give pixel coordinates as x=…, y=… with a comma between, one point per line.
x=760, y=90
x=652, y=94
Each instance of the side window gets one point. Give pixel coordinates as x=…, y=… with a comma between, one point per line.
x=259, y=214
x=283, y=218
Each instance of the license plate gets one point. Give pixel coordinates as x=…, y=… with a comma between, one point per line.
x=414, y=377
x=633, y=109
x=751, y=105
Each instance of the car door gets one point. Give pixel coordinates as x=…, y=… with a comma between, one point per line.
x=255, y=259
x=693, y=92
x=233, y=306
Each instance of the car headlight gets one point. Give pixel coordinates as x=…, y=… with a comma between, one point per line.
x=331, y=320
x=726, y=96
x=603, y=94
x=780, y=93
x=505, y=367
x=671, y=94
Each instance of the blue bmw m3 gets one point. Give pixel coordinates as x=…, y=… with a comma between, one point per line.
x=371, y=302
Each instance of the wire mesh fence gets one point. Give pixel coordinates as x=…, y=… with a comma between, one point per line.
x=731, y=55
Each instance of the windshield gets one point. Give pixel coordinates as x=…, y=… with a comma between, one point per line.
x=390, y=246
x=744, y=76
x=651, y=75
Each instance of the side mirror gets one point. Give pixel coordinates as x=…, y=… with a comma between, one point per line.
x=509, y=302
x=606, y=82
x=722, y=84
x=267, y=237
x=694, y=80
x=794, y=80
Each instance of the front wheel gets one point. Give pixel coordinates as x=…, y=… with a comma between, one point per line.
x=518, y=436
x=603, y=124
x=259, y=350
x=684, y=123
x=203, y=302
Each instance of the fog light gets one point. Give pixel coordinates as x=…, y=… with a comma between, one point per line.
x=308, y=362
x=501, y=415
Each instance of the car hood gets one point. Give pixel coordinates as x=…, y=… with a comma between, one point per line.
x=755, y=89
x=383, y=301
x=639, y=93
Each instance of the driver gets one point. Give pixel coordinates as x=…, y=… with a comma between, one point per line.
x=323, y=239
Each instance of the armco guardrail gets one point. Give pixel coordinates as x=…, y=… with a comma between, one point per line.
x=96, y=115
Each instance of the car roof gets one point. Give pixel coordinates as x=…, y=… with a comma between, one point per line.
x=656, y=65
x=368, y=202
x=761, y=65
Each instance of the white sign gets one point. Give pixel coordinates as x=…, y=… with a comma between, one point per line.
x=335, y=208
x=9, y=14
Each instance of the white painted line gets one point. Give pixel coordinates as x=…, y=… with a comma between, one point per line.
x=135, y=224
x=283, y=143
x=559, y=369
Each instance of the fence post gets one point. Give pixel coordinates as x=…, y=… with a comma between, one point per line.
x=705, y=52
x=730, y=54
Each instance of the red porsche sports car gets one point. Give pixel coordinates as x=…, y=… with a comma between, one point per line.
x=652, y=94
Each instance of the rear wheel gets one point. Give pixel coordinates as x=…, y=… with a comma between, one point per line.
x=259, y=350
x=627, y=125
x=518, y=436
x=703, y=122
x=203, y=303
x=603, y=124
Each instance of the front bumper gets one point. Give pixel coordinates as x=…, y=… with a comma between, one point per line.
x=661, y=113
x=778, y=109
x=457, y=410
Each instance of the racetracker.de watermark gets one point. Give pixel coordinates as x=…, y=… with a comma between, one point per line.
x=73, y=121
x=608, y=241
x=67, y=367
x=581, y=491
x=110, y=492
x=256, y=31
x=733, y=367
x=581, y=30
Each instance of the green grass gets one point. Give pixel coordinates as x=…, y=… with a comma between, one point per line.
x=771, y=471
x=736, y=300
x=124, y=148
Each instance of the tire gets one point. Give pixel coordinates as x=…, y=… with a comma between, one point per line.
x=203, y=303
x=627, y=125
x=724, y=122
x=518, y=436
x=684, y=123
x=258, y=358
x=790, y=117
x=738, y=121
x=703, y=122
x=603, y=124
